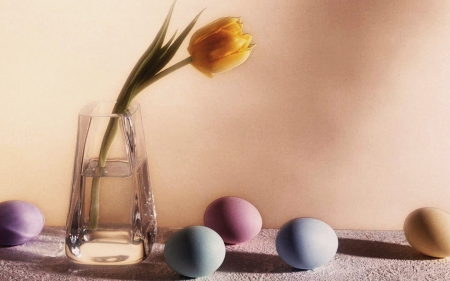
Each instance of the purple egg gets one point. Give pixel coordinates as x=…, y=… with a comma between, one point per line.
x=234, y=219
x=19, y=222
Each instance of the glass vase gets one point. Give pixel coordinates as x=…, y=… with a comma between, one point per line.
x=111, y=217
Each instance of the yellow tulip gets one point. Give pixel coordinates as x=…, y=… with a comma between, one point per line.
x=219, y=46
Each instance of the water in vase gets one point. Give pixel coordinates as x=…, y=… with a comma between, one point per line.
x=126, y=219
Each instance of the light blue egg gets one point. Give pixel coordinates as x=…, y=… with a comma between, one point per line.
x=194, y=251
x=306, y=243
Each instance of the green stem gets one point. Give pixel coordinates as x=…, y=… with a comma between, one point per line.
x=95, y=203
x=120, y=107
x=108, y=138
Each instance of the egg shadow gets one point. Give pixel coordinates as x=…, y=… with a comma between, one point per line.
x=245, y=262
x=378, y=249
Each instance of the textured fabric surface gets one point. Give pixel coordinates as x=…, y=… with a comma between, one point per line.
x=362, y=255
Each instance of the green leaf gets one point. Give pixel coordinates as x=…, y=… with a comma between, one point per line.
x=174, y=47
x=164, y=59
x=154, y=47
x=154, y=63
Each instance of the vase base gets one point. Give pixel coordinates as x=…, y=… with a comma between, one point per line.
x=107, y=248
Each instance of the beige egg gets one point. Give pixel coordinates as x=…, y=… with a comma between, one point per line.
x=428, y=231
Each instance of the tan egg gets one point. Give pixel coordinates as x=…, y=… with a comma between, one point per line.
x=428, y=231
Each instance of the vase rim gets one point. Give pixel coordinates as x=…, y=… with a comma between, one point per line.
x=104, y=109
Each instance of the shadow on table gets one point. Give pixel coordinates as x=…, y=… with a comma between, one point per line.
x=378, y=249
x=245, y=262
x=60, y=268
x=150, y=269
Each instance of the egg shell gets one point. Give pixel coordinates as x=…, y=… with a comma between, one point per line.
x=428, y=231
x=19, y=222
x=235, y=219
x=306, y=243
x=194, y=251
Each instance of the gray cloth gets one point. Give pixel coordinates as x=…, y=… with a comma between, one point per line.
x=362, y=255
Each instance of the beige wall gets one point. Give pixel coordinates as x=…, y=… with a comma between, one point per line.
x=341, y=113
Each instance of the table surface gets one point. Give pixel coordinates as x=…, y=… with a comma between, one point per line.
x=362, y=255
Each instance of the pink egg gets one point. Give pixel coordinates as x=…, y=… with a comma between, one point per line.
x=234, y=219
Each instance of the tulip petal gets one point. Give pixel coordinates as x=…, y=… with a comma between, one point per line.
x=204, y=71
x=231, y=61
x=234, y=45
x=235, y=28
x=213, y=27
x=219, y=45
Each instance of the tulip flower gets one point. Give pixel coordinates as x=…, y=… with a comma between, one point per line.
x=217, y=47
x=220, y=46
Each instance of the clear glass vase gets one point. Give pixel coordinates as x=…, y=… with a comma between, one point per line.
x=111, y=217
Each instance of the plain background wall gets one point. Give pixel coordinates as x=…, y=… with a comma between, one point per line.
x=341, y=113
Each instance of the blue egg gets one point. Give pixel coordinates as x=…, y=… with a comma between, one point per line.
x=194, y=251
x=306, y=243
